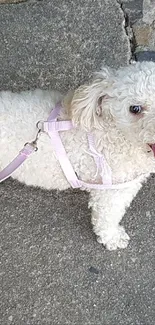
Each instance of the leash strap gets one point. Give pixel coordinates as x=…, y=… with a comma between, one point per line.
x=22, y=156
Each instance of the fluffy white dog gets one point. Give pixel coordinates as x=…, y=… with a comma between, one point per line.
x=118, y=107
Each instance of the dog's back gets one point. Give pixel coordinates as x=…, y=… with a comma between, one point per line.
x=19, y=113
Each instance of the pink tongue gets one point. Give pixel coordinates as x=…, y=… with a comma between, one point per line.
x=153, y=148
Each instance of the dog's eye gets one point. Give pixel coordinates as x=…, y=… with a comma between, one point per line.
x=135, y=109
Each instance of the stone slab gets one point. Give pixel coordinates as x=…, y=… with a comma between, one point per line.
x=148, y=11
x=59, y=44
x=133, y=8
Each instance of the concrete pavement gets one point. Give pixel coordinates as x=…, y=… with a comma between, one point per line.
x=59, y=44
x=52, y=269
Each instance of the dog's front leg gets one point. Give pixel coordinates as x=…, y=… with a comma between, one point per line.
x=108, y=208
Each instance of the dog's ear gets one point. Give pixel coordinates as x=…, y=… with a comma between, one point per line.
x=87, y=105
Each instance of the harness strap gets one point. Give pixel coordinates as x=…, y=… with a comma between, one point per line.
x=63, y=160
x=52, y=126
x=102, y=165
x=66, y=166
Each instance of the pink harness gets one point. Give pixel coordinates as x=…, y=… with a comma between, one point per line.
x=52, y=127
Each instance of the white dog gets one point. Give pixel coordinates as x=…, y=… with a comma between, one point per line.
x=118, y=108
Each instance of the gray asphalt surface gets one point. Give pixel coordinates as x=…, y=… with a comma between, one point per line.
x=52, y=269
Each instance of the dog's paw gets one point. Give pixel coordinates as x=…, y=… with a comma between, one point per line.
x=114, y=238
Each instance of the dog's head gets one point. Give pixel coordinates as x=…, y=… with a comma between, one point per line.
x=125, y=96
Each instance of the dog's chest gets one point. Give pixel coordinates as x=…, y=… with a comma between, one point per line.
x=125, y=161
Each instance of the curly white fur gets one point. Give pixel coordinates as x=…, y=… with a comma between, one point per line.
x=103, y=108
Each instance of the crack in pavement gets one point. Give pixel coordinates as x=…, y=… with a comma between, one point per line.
x=128, y=31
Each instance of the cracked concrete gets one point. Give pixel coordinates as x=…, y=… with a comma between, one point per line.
x=140, y=17
x=133, y=9
x=127, y=28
